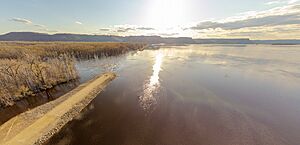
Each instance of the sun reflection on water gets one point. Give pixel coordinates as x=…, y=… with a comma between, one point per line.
x=147, y=99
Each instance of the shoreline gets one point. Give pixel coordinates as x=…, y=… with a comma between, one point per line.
x=32, y=93
x=33, y=101
x=39, y=124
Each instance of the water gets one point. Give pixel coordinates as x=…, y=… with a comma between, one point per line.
x=192, y=95
x=41, y=98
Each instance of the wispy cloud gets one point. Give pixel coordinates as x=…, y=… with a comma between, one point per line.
x=26, y=22
x=253, y=22
x=274, y=17
x=145, y=28
x=122, y=30
x=292, y=1
x=281, y=22
x=39, y=27
x=275, y=2
x=168, y=34
x=47, y=30
x=104, y=29
x=281, y=2
x=79, y=23
x=127, y=28
x=21, y=20
x=274, y=32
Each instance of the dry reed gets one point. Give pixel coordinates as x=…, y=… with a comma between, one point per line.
x=27, y=68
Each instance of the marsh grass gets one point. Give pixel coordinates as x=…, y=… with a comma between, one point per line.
x=80, y=50
x=27, y=68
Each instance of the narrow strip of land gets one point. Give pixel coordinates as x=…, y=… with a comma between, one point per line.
x=17, y=131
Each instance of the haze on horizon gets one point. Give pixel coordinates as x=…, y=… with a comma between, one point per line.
x=255, y=19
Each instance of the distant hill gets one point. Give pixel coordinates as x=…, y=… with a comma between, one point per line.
x=24, y=36
x=31, y=36
x=223, y=41
x=277, y=42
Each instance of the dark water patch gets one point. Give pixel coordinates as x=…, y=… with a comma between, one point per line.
x=38, y=99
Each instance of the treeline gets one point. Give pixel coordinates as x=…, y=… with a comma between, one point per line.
x=27, y=68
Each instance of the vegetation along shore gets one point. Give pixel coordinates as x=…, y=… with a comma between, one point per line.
x=27, y=68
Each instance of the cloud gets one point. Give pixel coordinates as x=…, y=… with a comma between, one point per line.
x=20, y=20
x=79, y=23
x=145, y=28
x=122, y=30
x=275, y=32
x=168, y=34
x=274, y=17
x=277, y=23
x=127, y=28
x=275, y=2
x=292, y=1
x=104, y=29
x=27, y=22
x=253, y=22
x=281, y=2
x=262, y=32
x=39, y=25
x=47, y=30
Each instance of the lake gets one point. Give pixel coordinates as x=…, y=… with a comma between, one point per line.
x=192, y=95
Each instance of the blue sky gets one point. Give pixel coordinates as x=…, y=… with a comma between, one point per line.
x=151, y=17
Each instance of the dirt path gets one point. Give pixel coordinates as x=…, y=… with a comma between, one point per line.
x=38, y=125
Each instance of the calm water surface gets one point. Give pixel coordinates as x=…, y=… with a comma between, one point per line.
x=193, y=95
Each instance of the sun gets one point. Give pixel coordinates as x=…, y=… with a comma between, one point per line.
x=166, y=14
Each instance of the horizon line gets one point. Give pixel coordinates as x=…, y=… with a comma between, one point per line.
x=135, y=36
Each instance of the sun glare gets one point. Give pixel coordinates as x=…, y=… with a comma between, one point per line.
x=147, y=99
x=164, y=14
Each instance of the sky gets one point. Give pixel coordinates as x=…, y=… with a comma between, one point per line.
x=254, y=19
